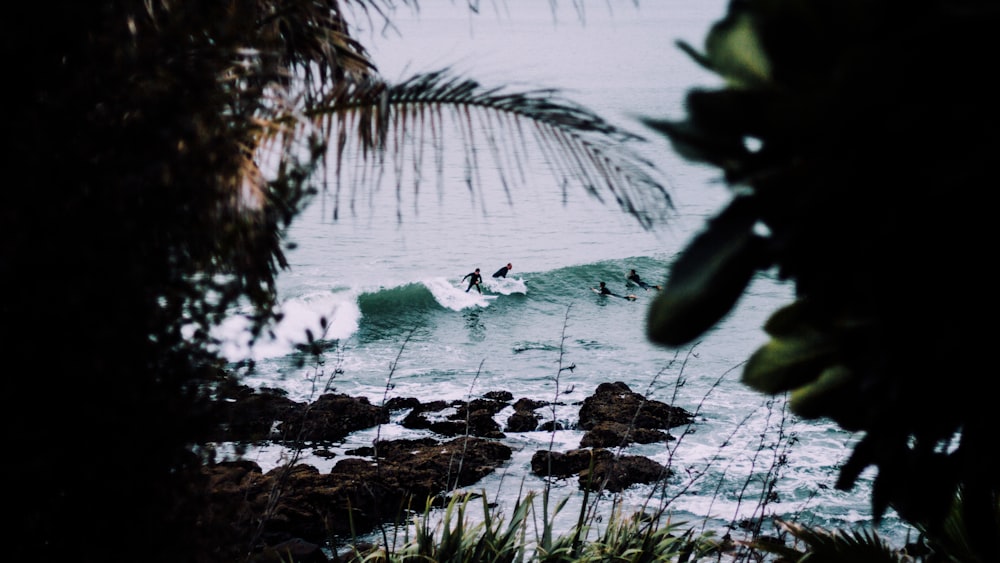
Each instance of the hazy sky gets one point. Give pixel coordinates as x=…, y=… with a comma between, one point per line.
x=530, y=43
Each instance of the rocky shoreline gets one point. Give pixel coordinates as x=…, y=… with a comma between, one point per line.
x=293, y=510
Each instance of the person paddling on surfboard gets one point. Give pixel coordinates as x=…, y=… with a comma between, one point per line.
x=634, y=278
x=474, y=281
x=502, y=272
x=603, y=290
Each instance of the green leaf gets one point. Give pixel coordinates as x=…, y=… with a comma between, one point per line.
x=708, y=278
x=784, y=364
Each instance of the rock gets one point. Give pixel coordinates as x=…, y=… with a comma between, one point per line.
x=565, y=464
x=522, y=421
x=472, y=419
x=331, y=418
x=615, y=402
x=298, y=504
x=598, y=469
x=606, y=434
x=525, y=404
x=621, y=472
x=249, y=417
x=400, y=403
x=502, y=396
x=291, y=509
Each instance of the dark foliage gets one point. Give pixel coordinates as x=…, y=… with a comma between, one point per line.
x=124, y=227
x=857, y=138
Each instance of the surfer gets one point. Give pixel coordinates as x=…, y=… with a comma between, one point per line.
x=634, y=278
x=474, y=279
x=502, y=272
x=603, y=290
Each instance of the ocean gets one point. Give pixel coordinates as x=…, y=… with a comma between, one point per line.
x=379, y=282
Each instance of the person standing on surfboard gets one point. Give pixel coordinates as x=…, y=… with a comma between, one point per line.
x=634, y=278
x=502, y=272
x=474, y=281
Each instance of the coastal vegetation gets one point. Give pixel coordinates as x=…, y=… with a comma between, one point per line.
x=164, y=147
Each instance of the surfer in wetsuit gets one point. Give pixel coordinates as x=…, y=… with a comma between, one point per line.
x=603, y=290
x=634, y=278
x=502, y=272
x=474, y=281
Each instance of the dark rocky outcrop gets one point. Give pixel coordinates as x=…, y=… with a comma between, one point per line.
x=466, y=419
x=502, y=396
x=526, y=404
x=617, y=416
x=550, y=425
x=565, y=464
x=607, y=434
x=245, y=416
x=241, y=415
x=598, y=469
x=287, y=513
x=524, y=418
x=522, y=421
x=621, y=472
x=331, y=418
x=614, y=417
x=298, y=506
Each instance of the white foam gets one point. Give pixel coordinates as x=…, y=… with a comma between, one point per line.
x=300, y=316
x=456, y=298
x=505, y=286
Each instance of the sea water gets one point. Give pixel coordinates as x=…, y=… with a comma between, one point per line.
x=379, y=282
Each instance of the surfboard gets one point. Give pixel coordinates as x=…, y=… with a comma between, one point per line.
x=630, y=297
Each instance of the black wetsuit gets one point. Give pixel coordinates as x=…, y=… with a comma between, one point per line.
x=501, y=273
x=635, y=279
x=605, y=291
x=476, y=278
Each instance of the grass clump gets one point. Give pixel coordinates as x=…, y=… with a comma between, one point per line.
x=454, y=537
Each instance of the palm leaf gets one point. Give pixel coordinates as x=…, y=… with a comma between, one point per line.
x=377, y=129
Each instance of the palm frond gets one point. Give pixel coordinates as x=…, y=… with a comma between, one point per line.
x=312, y=38
x=378, y=128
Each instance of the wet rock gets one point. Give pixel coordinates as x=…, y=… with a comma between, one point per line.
x=502, y=396
x=331, y=418
x=621, y=472
x=607, y=434
x=598, y=469
x=401, y=403
x=457, y=419
x=526, y=404
x=523, y=421
x=244, y=416
x=566, y=464
x=300, y=505
x=296, y=507
x=615, y=402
